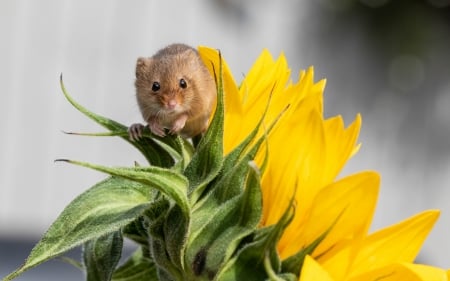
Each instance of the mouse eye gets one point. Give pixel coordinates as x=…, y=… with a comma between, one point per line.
x=183, y=83
x=155, y=86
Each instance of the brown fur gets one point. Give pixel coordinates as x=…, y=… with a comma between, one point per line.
x=181, y=110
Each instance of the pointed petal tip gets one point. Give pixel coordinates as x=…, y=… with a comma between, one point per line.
x=358, y=119
x=430, y=215
x=434, y=213
x=310, y=69
x=370, y=175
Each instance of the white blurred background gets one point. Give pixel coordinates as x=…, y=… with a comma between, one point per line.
x=388, y=60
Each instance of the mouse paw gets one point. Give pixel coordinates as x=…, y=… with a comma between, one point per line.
x=135, y=131
x=156, y=128
x=178, y=124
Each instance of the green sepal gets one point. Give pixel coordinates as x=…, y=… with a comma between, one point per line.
x=101, y=256
x=73, y=262
x=176, y=230
x=219, y=234
x=206, y=162
x=174, y=185
x=243, y=220
x=149, y=145
x=284, y=277
x=294, y=263
x=273, y=276
x=179, y=149
x=155, y=218
x=217, y=206
x=226, y=186
x=136, y=232
x=104, y=208
x=259, y=257
x=137, y=268
x=248, y=263
x=227, y=182
x=245, y=148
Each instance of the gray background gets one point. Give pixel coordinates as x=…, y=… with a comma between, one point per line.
x=388, y=60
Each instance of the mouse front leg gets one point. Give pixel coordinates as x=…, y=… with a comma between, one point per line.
x=155, y=126
x=178, y=124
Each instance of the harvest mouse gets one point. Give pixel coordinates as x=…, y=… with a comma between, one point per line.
x=174, y=91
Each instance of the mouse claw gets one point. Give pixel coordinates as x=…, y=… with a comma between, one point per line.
x=157, y=129
x=135, y=131
x=175, y=130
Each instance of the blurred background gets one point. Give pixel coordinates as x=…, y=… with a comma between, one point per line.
x=388, y=60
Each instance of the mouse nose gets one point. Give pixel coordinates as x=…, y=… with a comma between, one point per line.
x=172, y=104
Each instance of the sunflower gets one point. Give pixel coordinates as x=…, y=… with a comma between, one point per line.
x=306, y=152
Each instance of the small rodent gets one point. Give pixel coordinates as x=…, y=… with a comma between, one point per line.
x=174, y=91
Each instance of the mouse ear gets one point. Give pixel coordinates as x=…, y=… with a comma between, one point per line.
x=142, y=66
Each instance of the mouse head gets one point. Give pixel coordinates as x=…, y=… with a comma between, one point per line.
x=167, y=83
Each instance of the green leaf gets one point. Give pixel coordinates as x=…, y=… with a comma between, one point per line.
x=137, y=268
x=106, y=207
x=101, y=256
x=150, y=145
x=207, y=160
x=168, y=182
x=105, y=122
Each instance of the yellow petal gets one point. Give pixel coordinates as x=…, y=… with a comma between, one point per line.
x=352, y=198
x=348, y=203
x=305, y=154
x=426, y=272
x=342, y=260
x=265, y=85
x=211, y=59
x=292, y=160
x=265, y=77
x=340, y=144
x=398, y=243
x=404, y=271
x=306, y=88
x=312, y=271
